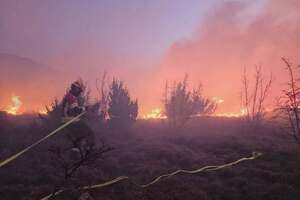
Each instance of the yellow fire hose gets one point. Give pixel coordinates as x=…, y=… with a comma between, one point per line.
x=15, y=156
x=254, y=156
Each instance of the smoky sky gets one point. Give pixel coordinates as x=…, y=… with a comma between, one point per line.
x=54, y=31
x=148, y=42
x=83, y=38
x=237, y=35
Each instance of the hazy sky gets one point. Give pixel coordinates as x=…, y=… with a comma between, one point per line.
x=56, y=30
x=123, y=37
x=145, y=42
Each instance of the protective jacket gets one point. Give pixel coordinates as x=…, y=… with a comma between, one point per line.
x=72, y=106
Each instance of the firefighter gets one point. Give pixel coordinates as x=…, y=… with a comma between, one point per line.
x=73, y=104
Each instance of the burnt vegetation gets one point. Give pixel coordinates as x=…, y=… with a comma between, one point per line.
x=100, y=149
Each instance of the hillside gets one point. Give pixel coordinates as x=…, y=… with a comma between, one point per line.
x=28, y=79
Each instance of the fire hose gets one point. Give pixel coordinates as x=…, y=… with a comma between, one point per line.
x=254, y=156
x=15, y=156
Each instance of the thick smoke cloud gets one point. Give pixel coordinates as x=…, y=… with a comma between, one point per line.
x=236, y=35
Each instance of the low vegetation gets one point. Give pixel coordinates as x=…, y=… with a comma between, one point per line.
x=65, y=162
x=152, y=151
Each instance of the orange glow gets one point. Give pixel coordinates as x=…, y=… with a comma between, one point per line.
x=213, y=52
x=42, y=112
x=156, y=113
x=218, y=100
x=16, y=104
x=242, y=113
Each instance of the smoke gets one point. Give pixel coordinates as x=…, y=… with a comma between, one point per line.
x=237, y=34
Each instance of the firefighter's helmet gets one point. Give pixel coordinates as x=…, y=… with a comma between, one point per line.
x=76, y=88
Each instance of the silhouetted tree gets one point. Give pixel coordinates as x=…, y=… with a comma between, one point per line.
x=289, y=102
x=182, y=103
x=122, y=110
x=253, y=99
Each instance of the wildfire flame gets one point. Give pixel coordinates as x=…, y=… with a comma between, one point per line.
x=218, y=100
x=16, y=104
x=43, y=111
x=156, y=113
x=242, y=113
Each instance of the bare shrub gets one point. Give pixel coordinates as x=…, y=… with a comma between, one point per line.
x=69, y=159
x=182, y=103
x=289, y=102
x=103, y=90
x=97, y=112
x=253, y=99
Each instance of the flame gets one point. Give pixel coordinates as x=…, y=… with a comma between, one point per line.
x=16, y=104
x=156, y=113
x=218, y=100
x=43, y=111
x=243, y=112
